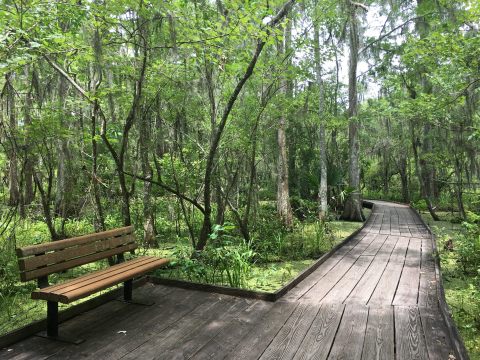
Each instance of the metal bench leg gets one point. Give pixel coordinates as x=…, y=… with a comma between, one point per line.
x=52, y=326
x=52, y=319
x=128, y=290
x=128, y=295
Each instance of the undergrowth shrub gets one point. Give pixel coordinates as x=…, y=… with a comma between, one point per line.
x=468, y=248
x=225, y=261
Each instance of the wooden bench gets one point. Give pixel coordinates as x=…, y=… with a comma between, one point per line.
x=39, y=261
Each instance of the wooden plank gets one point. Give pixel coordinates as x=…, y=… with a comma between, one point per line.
x=317, y=292
x=117, y=335
x=427, y=291
x=367, y=284
x=226, y=340
x=93, y=287
x=407, y=291
x=379, y=337
x=319, y=339
x=257, y=340
x=387, y=285
x=437, y=339
x=348, y=343
x=285, y=344
x=322, y=270
x=93, y=275
x=409, y=337
x=60, y=244
x=216, y=323
x=29, y=275
x=375, y=246
x=73, y=252
x=182, y=331
x=344, y=287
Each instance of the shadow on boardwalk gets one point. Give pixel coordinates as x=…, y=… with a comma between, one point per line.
x=375, y=298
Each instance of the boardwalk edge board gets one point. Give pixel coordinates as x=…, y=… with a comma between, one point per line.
x=39, y=325
x=459, y=346
x=259, y=295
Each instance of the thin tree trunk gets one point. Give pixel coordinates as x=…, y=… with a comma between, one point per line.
x=284, y=207
x=148, y=218
x=323, y=190
x=353, y=205
x=28, y=195
x=13, y=181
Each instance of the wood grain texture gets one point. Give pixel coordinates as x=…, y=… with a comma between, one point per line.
x=367, y=284
x=73, y=252
x=34, y=274
x=104, y=279
x=319, y=339
x=288, y=339
x=257, y=340
x=351, y=334
x=427, y=291
x=407, y=291
x=379, y=336
x=409, y=336
x=62, y=244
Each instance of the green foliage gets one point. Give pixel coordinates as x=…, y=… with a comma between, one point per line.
x=467, y=246
x=222, y=264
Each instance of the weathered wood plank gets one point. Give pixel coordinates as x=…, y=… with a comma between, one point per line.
x=348, y=343
x=379, y=339
x=345, y=286
x=317, y=292
x=214, y=324
x=257, y=340
x=409, y=337
x=184, y=329
x=437, y=340
x=387, y=285
x=112, y=335
x=319, y=339
x=367, y=284
x=407, y=291
x=285, y=344
x=226, y=340
x=427, y=291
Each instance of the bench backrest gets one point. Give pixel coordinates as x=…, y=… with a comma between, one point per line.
x=38, y=261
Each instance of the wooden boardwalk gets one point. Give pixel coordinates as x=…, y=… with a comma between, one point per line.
x=375, y=298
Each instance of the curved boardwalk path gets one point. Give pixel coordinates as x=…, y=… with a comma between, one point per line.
x=374, y=298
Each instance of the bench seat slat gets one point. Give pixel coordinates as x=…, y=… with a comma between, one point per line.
x=61, y=244
x=107, y=278
x=29, y=275
x=97, y=275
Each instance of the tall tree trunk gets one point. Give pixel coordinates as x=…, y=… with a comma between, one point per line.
x=402, y=168
x=353, y=205
x=425, y=170
x=28, y=195
x=63, y=173
x=322, y=191
x=284, y=207
x=419, y=172
x=13, y=181
x=148, y=218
